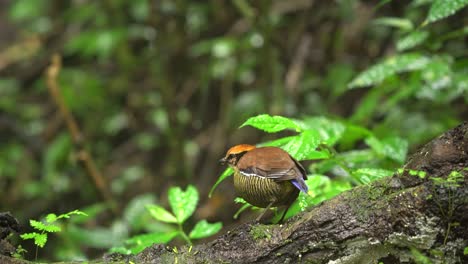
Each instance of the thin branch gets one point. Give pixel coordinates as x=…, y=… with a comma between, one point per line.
x=84, y=157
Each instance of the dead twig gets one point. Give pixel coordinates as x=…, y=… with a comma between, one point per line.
x=83, y=156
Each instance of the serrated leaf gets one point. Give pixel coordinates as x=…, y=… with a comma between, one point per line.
x=444, y=8
x=226, y=173
x=401, y=23
x=43, y=227
x=204, y=229
x=330, y=131
x=393, y=65
x=29, y=235
x=300, y=147
x=36, y=224
x=411, y=40
x=161, y=214
x=183, y=204
x=391, y=147
x=40, y=240
x=135, y=212
x=367, y=175
x=271, y=124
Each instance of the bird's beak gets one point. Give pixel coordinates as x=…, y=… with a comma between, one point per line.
x=222, y=161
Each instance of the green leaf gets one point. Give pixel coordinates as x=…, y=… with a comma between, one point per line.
x=302, y=146
x=271, y=124
x=227, y=172
x=29, y=235
x=391, y=147
x=140, y=242
x=367, y=175
x=411, y=40
x=50, y=218
x=204, y=229
x=43, y=227
x=69, y=214
x=330, y=131
x=183, y=204
x=135, y=213
x=444, y=8
x=395, y=64
x=39, y=239
x=161, y=214
x=242, y=209
x=401, y=23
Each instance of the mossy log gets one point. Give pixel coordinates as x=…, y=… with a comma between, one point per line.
x=399, y=219
x=418, y=214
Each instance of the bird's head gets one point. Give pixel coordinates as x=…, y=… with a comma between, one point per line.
x=235, y=153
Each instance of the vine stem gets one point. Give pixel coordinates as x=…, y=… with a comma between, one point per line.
x=184, y=236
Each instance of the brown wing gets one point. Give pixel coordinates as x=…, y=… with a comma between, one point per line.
x=271, y=162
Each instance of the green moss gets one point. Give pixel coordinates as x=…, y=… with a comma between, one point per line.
x=261, y=232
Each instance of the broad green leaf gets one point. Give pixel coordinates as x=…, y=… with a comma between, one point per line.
x=391, y=147
x=183, y=204
x=330, y=131
x=161, y=214
x=401, y=23
x=302, y=146
x=444, y=8
x=438, y=80
x=390, y=66
x=99, y=237
x=366, y=175
x=411, y=40
x=227, y=172
x=321, y=188
x=204, y=229
x=140, y=242
x=271, y=124
x=352, y=134
x=135, y=213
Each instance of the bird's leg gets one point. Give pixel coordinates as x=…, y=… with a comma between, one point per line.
x=284, y=213
x=264, y=211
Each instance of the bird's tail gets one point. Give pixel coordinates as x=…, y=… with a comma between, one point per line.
x=300, y=184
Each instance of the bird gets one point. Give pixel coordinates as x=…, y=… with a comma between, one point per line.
x=266, y=176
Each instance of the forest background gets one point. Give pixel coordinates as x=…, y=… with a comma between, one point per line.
x=152, y=93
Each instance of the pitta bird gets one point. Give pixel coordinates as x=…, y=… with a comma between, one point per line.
x=266, y=176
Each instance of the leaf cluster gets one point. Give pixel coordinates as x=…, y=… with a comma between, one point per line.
x=332, y=172
x=183, y=205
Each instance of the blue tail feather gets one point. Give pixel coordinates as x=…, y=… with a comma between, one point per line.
x=300, y=184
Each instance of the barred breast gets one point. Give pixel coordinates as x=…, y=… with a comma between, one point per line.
x=261, y=191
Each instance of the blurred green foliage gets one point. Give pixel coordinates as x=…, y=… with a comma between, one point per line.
x=159, y=87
